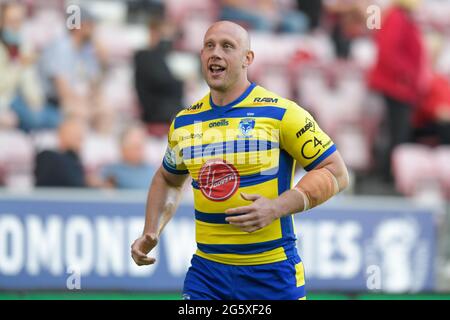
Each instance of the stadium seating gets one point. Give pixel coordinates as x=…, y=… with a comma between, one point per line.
x=442, y=163
x=98, y=151
x=412, y=166
x=16, y=159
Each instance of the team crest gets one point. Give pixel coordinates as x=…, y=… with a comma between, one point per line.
x=246, y=127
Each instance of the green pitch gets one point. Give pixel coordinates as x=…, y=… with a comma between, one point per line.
x=176, y=296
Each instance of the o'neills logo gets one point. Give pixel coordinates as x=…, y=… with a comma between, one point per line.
x=220, y=123
x=218, y=180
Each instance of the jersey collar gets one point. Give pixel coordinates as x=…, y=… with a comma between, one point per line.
x=233, y=103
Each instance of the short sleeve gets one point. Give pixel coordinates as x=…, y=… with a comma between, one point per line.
x=173, y=158
x=55, y=60
x=302, y=138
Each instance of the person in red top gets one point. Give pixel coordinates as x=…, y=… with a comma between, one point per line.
x=400, y=73
x=433, y=112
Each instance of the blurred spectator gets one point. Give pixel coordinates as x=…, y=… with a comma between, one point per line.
x=433, y=111
x=348, y=21
x=313, y=10
x=132, y=172
x=265, y=15
x=62, y=167
x=160, y=93
x=71, y=71
x=138, y=11
x=400, y=73
x=21, y=98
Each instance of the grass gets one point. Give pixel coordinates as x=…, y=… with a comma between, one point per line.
x=76, y=295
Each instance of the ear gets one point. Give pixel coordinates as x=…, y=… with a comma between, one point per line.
x=249, y=57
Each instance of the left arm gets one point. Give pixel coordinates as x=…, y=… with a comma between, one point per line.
x=317, y=186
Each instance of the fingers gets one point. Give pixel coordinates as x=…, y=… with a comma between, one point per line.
x=142, y=246
x=251, y=229
x=249, y=226
x=248, y=222
x=241, y=218
x=140, y=258
x=250, y=197
x=145, y=261
x=244, y=209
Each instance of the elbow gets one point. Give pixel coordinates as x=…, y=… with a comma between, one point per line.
x=344, y=180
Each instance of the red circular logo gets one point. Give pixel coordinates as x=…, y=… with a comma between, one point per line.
x=218, y=180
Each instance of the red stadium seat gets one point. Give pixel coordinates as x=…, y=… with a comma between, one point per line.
x=44, y=27
x=16, y=158
x=179, y=10
x=155, y=148
x=354, y=147
x=98, y=151
x=118, y=92
x=442, y=163
x=413, y=166
x=45, y=140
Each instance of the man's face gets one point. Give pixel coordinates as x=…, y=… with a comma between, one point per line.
x=72, y=135
x=87, y=30
x=223, y=58
x=13, y=17
x=133, y=147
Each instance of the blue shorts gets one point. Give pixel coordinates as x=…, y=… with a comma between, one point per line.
x=209, y=280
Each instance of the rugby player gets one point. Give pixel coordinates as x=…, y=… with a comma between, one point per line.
x=240, y=144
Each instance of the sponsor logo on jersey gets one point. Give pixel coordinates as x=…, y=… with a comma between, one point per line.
x=220, y=123
x=194, y=107
x=266, y=100
x=309, y=126
x=170, y=158
x=311, y=148
x=192, y=136
x=218, y=180
x=246, y=127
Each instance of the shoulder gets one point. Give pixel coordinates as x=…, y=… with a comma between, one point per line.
x=143, y=55
x=140, y=54
x=48, y=154
x=198, y=106
x=49, y=159
x=60, y=44
x=264, y=97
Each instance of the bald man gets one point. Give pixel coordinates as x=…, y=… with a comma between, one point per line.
x=240, y=144
x=63, y=167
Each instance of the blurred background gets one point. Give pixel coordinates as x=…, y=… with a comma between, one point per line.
x=88, y=90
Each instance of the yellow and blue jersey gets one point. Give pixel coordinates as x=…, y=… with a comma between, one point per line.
x=250, y=145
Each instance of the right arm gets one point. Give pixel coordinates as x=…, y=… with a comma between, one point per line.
x=162, y=201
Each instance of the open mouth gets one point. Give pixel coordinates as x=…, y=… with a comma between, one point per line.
x=216, y=69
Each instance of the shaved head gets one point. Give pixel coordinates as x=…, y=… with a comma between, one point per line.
x=234, y=30
x=71, y=134
x=226, y=56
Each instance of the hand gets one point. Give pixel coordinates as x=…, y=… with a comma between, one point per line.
x=141, y=247
x=254, y=216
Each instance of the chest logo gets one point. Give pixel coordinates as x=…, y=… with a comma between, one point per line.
x=218, y=180
x=246, y=127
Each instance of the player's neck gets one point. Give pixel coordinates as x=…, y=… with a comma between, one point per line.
x=222, y=98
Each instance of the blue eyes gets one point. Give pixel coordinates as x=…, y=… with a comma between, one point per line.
x=225, y=46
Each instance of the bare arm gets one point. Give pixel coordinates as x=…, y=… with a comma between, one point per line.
x=293, y=201
x=162, y=201
x=263, y=211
